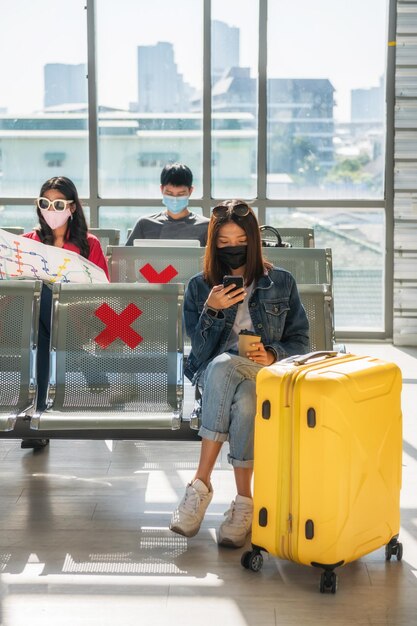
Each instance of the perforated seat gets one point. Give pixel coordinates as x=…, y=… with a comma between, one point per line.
x=318, y=304
x=106, y=236
x=116, y=357
x=145, y=264
x=19, y=315
x=171, y=265
x=298, y=237
x=309, y=266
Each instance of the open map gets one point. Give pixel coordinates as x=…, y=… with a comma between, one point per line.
x=21, y=257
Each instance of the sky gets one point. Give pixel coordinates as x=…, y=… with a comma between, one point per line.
x=342, y=40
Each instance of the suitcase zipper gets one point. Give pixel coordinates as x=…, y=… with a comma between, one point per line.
x=289, y=401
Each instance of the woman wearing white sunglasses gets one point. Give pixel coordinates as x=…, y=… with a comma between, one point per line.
x=62, y=224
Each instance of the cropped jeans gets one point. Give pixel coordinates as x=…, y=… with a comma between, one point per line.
x=229, y=405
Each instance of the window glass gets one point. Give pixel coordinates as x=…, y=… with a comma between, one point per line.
x=234, y=67
x=326, y=98
x=43, y=109
x=357, y=241
x=149, y=93
x=23, y=216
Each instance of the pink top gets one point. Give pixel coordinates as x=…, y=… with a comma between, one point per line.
x=96, y=255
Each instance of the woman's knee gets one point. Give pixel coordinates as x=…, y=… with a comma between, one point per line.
x=219, y=365
x=222, y=368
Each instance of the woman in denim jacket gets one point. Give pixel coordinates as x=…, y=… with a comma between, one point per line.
x=269, y=306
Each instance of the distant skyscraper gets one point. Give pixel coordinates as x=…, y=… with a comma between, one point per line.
x=225, y=42
x=300, y=114
x=368, y=104
x=160, y=86
x=65, y=84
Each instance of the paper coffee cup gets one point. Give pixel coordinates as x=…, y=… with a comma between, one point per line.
x=245, y=342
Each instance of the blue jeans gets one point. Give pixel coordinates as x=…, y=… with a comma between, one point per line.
x=229, y=405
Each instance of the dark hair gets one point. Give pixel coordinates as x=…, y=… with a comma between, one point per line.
x=77, y=228
x=176, y=174
x=256, y=265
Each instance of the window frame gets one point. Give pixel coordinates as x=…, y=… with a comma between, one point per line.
x=261, y=202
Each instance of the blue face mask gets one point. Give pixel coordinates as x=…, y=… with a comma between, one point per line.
x=175, y=204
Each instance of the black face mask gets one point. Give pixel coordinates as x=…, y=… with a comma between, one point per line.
x=233, y=256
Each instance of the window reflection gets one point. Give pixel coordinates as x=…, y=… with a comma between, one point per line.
x=43, y=110
x=326, y=99
x=357, y=241
x=234, y=60
x=149, y=113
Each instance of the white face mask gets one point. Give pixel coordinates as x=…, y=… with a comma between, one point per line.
x=55, y=219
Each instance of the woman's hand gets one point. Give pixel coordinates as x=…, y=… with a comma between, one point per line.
x=221, y=297
x=259, y=354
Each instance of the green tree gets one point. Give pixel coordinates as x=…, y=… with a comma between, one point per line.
x=295, y=155
x=350, y=171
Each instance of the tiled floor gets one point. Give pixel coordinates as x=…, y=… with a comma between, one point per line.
x=84, y=540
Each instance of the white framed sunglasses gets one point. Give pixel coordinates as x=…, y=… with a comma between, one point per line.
x=58, y=205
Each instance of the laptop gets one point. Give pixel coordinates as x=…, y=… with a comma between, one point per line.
x=167, y=243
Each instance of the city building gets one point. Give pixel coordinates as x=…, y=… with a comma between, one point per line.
x=300, y=116
x=225, y=48
x=64, y=84
x=160, y=86
x=368, y=104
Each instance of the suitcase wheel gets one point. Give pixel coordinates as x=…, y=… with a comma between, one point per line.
x=394, y=548
x=252, y=560
x=328, y=582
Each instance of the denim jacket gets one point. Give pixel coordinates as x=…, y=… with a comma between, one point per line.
x=275, y=309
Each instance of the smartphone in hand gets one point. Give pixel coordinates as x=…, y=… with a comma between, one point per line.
x=233, y=280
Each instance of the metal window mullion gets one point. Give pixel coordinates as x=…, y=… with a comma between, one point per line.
x=261, y=173
x=300, y=203
x=206, y=178
x=389, y=171
x=93, y=200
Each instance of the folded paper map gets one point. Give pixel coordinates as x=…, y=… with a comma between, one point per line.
x=21, y=257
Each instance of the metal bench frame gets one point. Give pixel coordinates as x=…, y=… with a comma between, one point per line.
x=134, y=376
x=19, y=307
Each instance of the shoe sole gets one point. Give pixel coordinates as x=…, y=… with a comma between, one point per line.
x=34, y=445
x=229, y=543
x=180, y=531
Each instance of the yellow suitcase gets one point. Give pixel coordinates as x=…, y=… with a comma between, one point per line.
x=327, y=469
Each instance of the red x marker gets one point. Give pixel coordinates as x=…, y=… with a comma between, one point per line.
x=118, y=325
x=152, y=276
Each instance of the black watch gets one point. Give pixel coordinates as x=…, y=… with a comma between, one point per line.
x=212, y=312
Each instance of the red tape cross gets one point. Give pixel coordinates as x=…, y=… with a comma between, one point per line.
x=152, y=276
x=118, y=325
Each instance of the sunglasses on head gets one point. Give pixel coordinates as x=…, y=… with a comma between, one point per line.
x=241, y=210
x=58, y=205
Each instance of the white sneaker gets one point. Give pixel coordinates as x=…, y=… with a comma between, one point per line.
x=238, y=523
x=187, y=517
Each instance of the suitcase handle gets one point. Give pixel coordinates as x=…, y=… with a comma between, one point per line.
x=302, y=359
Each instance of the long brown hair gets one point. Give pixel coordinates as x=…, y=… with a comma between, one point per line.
x=77, y=228
x=256, y=265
